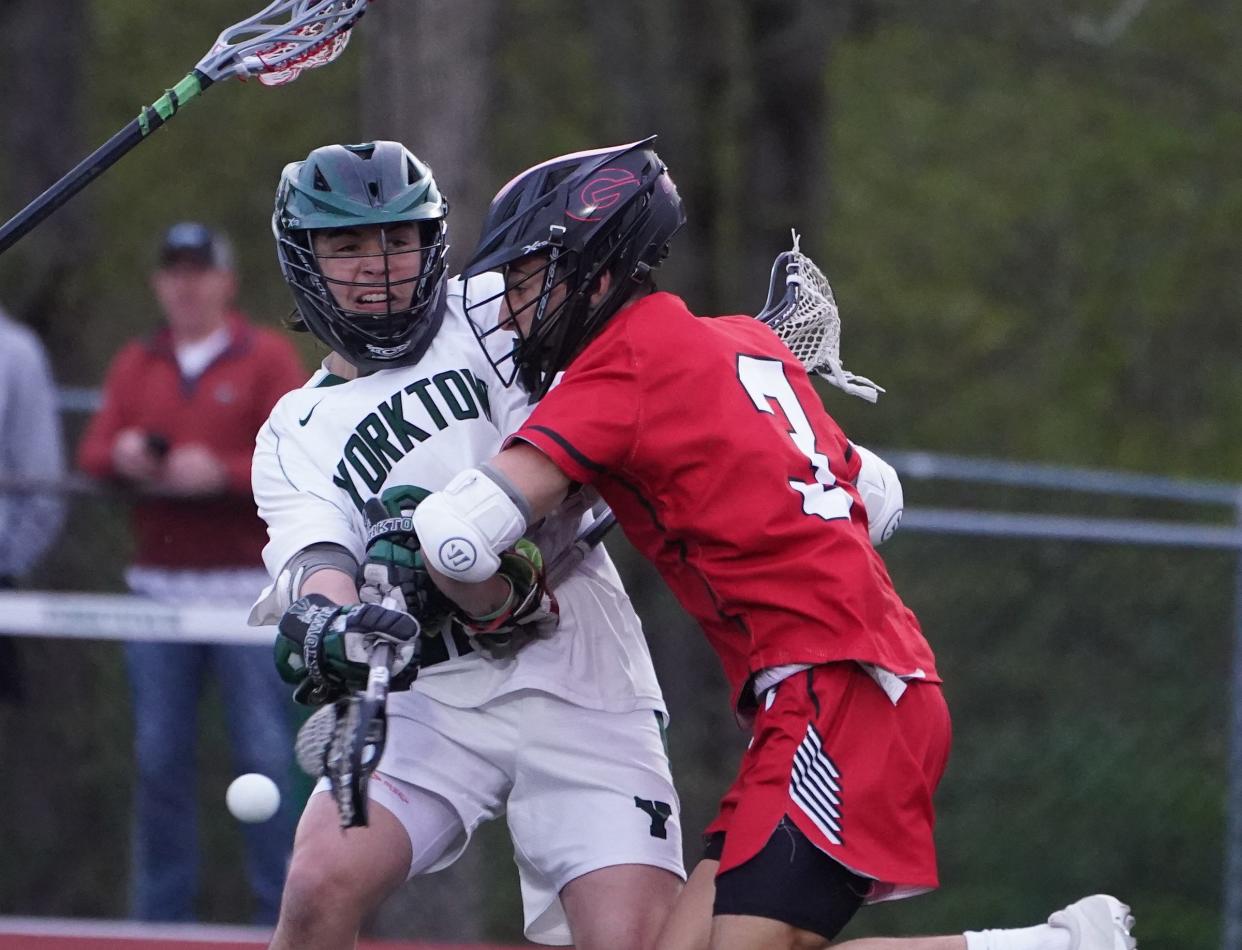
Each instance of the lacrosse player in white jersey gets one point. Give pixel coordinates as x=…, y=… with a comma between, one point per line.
x=556, y=725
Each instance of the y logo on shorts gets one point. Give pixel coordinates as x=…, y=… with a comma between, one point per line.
x=659, y=812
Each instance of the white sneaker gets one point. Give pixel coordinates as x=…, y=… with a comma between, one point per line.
x=1098, y=922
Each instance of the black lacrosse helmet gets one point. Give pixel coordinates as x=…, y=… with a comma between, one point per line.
x=368, y=186
x=606, y=211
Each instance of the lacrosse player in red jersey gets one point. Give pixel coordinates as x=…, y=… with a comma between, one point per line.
x=712, y=448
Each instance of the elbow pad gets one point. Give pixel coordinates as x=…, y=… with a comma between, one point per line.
x=462, y=528
x=881, y=493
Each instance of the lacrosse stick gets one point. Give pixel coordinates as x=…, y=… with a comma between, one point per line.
x=587, y=540
x=802, y=311
x=343, y=741
x=364, y=728
x=275, y=45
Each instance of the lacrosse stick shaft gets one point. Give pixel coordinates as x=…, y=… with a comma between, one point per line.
x=367, y=744
x=103, y=158
x=377, y=680
x=262, y=45
x=576, y=553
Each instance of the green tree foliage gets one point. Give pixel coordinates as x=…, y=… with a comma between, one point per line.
x=1029, y=231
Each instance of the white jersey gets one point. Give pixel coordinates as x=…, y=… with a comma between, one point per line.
x=334, y=443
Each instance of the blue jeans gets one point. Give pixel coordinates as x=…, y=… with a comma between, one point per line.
x=167, y=681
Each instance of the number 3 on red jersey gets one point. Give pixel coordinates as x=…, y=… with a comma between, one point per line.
x=764, y=380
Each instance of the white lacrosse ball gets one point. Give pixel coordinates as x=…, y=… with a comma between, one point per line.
x=252, y=798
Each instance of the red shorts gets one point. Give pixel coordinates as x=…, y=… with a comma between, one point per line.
x=852, y=770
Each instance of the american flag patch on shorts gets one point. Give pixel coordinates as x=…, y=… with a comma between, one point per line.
x=815, y=786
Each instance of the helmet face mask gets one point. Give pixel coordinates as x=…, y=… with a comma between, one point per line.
x=361, y=237
x=544, y=300
x=575, y=238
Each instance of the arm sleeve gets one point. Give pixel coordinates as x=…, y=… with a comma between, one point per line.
x=33, y=450
x=95, y=448
x=589, y=423
x=298, y=501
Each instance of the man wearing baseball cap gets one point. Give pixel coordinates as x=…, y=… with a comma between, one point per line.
x=180, y=411
x=196, y=245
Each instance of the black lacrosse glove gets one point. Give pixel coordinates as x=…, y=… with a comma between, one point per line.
x=394, y=572
x=529, y=613
x=324, y=648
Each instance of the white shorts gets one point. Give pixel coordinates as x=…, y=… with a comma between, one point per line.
x=583, y=790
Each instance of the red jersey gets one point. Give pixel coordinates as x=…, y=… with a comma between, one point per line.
x=710, y=444
x=221, y=409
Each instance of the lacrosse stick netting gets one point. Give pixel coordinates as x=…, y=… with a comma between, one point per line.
x=282, y=40
x=802, y=311
x=342, y=742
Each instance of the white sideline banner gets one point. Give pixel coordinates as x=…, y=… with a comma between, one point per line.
x=124, y=617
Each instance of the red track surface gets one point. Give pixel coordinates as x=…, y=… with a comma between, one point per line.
x=37, y=934
x=45, y=942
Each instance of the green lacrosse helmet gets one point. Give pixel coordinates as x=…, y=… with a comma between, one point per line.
x=386, y=313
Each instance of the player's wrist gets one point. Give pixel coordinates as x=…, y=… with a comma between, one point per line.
x=529, y=611
x=481, y=619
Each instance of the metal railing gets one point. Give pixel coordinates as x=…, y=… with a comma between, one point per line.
x=1226, y=537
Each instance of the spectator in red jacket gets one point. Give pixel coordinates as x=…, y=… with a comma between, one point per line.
x=180, y=412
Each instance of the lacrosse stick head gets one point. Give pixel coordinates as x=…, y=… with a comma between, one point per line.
x=310, y=748
x=282, y=40
x=361, y=234
x=343, y=742
x=802, y=311
x=363, y=729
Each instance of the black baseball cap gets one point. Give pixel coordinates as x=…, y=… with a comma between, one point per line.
x=189, y=242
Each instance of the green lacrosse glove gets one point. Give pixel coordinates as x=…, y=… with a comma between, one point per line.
x=394, y=571
x=529, y=613
x=324, y=648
